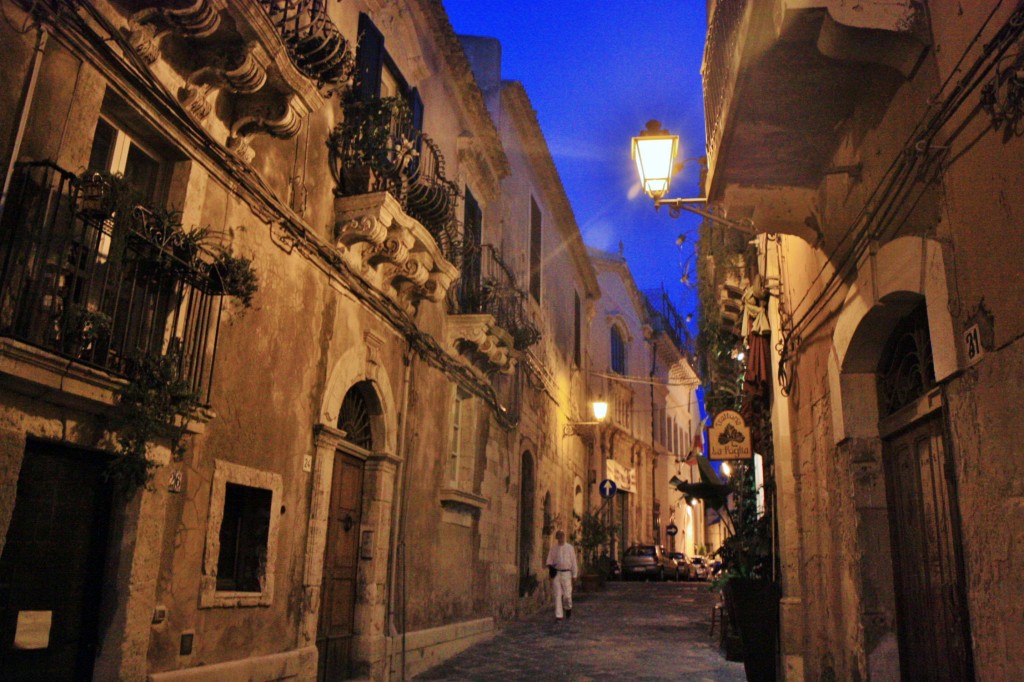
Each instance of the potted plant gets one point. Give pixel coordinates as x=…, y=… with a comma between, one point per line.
x=593, y=534
x=103, y=195
x=85, y=331
x=232, y=275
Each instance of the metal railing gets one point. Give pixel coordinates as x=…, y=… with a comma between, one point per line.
x=666, y=318
x=313, y=42
x=376, y=148
x=488, y=286
x=102, y=289
x=718, y=67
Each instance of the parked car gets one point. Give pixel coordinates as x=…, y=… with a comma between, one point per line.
x=686, y=569
x=649, y=561
x=700, y=565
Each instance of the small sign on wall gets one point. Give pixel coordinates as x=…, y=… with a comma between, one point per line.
x=33, y=630
x=972, y=344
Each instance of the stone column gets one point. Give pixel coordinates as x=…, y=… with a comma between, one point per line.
x=368, y=645
x=12, y=452
x=791, y=615
x=326, y=440
x=125, y=647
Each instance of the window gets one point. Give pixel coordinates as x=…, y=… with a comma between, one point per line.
x=472, y=221
x=244, y=529
x=117, y=152
x=535, y=249
x=241, y=537
x=618, y=351
x=455, y=447
x=377, y=75
x=577, y=318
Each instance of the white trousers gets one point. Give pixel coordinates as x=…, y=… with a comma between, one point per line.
x=563, y=592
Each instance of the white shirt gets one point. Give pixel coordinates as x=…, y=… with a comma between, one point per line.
x=563, y=557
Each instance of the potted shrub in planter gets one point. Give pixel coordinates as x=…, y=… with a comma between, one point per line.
x=751, y=596
x=592, y=535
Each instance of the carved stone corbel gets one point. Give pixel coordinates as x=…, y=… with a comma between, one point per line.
x=376, y=236
x=239, y=144
x=256, y=115
x=196, y=100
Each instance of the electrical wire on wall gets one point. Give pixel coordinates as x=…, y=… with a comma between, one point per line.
x=915, y=168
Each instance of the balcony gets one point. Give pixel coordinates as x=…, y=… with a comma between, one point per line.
x=102, y=290
x=394, y=207
x=667, y=320
x=270, y=58
x=771, y=134
x=490, y=322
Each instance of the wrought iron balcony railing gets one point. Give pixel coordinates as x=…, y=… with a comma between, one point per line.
x=720, y=61
x=488, y=286
x=314, y=44
x=667, y=319
x=103, y=289
x=377, y=149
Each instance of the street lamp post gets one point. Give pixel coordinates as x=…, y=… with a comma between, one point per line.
x=655, y=151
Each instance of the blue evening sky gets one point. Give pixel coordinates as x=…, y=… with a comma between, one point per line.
x=596, y=71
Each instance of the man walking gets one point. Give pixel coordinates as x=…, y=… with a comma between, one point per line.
x=562, y=562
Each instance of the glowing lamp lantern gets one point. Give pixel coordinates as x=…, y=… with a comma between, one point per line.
x=655, y=151
x=600, y=410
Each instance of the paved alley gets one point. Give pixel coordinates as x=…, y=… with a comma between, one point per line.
x=630, y=631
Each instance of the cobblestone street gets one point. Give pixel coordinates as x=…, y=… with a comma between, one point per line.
x=630, y=631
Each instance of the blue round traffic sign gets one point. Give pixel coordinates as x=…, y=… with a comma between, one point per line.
x=607, y=488
x=671, y=529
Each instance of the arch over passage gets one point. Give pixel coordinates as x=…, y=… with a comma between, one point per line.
x=892, y=344
x=888, y=287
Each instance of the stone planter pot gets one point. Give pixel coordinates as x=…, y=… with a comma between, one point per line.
x=591, y=582
x=753, y=607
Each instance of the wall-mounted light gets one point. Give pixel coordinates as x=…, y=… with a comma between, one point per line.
x=599, y=408
x=655, y=151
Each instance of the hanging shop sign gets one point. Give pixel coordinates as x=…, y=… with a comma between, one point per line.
x=729, y=437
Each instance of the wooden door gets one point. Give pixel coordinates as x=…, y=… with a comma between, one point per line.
x=932, y=621
x=51, y=570
x=341, y=558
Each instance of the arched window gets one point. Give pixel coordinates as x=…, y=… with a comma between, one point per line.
x=355, y=415
x=906, y=371
x=618, y=351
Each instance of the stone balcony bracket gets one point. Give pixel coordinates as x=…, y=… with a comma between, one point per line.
x=378, y=240
x=242, y=57
x=479, y=338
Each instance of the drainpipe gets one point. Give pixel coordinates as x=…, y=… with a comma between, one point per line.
x=24, y=110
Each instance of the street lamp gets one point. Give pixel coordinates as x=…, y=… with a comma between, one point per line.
x=599, y=408
x=655, y=151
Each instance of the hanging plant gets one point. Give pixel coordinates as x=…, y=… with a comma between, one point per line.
x=232, y=275
x=155, y=405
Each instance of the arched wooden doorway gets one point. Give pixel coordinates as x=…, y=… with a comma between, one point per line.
x=924, y=528
x=359, y=411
